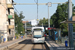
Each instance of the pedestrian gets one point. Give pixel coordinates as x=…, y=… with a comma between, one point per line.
x=56, y=36
x=45, y=36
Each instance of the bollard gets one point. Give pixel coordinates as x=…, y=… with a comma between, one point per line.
x=21, y=36
x=4, y=39
x=66, y=43
x=15, y=37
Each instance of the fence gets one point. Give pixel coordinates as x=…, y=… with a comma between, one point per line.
x=10, y=38
x=62, y=40
x=2, y=37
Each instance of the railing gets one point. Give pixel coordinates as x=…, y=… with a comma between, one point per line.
x=11, y=26
x=10, y=6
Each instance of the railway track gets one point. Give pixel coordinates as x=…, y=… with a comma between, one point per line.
x=27, y=45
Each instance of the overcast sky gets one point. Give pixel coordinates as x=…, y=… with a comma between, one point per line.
x=30, y=11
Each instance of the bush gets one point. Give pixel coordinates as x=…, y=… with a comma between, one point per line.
x=17, y=35
x=22, y=34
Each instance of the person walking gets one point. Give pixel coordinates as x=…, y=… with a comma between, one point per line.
x=45, y=36
x=56, y=36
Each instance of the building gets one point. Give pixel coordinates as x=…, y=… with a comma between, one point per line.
x=7, y=19
x=73, y=18
x=33, y=22
x=24, y=22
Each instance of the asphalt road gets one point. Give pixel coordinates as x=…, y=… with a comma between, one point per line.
x=27, y=45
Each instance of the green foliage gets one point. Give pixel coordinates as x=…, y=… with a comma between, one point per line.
x=17, y=35
x=73, y=27
x=28, y=24
x=18, y=23
x=60, y=15
x=65, y=33
x=43, y=21
x=74, y=11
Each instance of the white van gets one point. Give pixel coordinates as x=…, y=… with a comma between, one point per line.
x=38, y=35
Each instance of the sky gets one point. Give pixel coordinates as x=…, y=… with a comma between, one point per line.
x=30, y=11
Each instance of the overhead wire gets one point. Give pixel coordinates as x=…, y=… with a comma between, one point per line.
x=16, y=10
x=37, y=11
x=35, y=1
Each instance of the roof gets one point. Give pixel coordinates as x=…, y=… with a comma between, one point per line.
x=24, y=22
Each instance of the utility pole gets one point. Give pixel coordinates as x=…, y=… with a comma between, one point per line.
x=48, y=18
x=37, y=11
x=49, y=5
x=42, y=24
x=25, y=31
x=70, y=29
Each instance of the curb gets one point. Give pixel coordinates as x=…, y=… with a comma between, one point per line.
x=48, y=45
x=10, y=44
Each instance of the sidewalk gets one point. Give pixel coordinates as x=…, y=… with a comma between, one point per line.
x=9, y=43
x=53, y=46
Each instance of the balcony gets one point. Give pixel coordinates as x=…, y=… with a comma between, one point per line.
x=10, y=16
x=11, y=11
x=10, y=6
x=10, y=26
x=9, y=1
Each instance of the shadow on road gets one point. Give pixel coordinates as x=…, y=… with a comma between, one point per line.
x=37, y=49
x=27, y=41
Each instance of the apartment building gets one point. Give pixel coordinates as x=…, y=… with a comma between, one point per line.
x=7, y=19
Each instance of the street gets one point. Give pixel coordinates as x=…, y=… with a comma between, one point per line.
x=37, y=25
x=27, y=45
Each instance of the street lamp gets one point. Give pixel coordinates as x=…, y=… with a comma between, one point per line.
x=25, y=28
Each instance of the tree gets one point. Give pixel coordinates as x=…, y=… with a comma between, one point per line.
x=43, y=21
x=74, y=11
x=28, y=24
x=18, y=23
x=60, y=15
